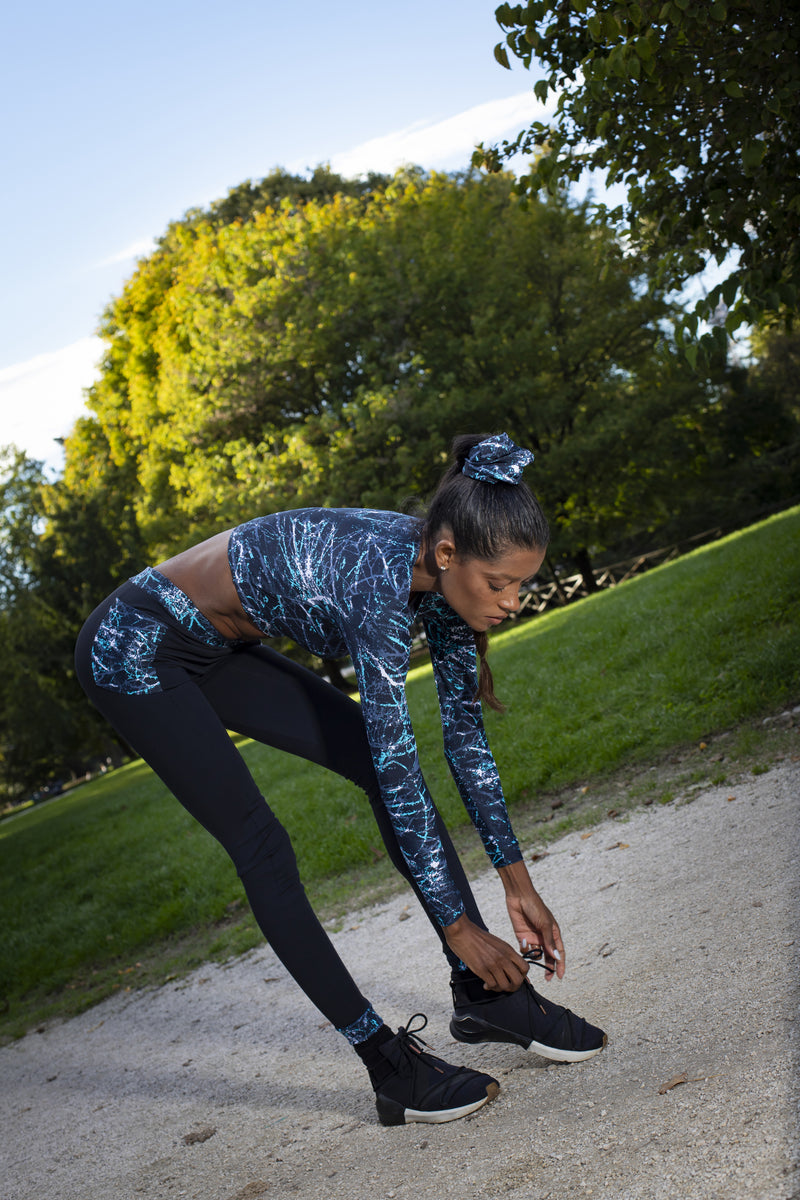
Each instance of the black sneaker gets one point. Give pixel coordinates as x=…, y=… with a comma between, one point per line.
x=413, y=1085
x=523, y=1018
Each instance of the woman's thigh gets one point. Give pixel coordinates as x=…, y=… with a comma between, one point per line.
x=179, y=725
x=266, y=696
x=179, y=734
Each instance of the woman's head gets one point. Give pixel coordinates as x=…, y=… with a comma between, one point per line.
x=485, y=534
x=479, y=502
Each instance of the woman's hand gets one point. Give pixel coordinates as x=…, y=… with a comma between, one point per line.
x=492, y=959
x=532, y=921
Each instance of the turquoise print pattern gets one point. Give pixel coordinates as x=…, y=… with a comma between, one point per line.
x=367, y=1024
x=337, y=581
x=124, y=650
x=178, y=603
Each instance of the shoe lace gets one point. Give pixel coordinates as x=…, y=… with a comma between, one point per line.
x=413, y=1045
x=430, y=1075
x=535, y=955
x=410, y=1035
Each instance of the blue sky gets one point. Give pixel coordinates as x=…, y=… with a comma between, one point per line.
x=117, y=118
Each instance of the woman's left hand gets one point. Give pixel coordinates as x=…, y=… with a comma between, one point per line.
x=532, y=921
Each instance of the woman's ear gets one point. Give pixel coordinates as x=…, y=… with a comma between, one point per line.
x=444, y=553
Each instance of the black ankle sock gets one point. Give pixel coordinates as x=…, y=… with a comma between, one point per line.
x=369, y=1051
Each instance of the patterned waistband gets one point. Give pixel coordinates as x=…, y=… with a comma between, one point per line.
x=178, y=604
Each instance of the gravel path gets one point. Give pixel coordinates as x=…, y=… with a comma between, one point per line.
x=680, y=925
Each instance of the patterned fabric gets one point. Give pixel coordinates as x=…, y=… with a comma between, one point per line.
x=124, y=650
x=129, y=639
x=337, y=581
x=497, y=460
x=178, y=603
x=364, y=1027
x=466, y=747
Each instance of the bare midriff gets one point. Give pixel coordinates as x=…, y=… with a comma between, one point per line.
x=203, y=573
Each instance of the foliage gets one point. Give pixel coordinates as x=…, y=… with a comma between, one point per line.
x=62, y=550
x=695, y=108
x=326, y=353
x=21, y=482
x=89, y=881
x=324, y=350
x=776, y=368
x=248, y=198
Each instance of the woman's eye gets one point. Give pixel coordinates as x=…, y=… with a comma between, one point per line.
x=495, y=589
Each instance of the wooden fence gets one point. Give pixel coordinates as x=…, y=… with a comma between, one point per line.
x=559, y=590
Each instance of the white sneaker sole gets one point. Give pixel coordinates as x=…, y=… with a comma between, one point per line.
x=566, y=1056
x=450, y=1114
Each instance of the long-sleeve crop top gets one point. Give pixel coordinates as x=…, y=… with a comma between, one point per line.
x=338, y=581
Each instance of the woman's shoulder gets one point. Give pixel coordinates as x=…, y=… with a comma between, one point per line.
x=364, y=555
x=375, y=519
x=363, y=529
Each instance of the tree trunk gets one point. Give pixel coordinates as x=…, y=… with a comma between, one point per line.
x=584, y=565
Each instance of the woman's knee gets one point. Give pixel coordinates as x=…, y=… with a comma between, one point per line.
x=264, y=846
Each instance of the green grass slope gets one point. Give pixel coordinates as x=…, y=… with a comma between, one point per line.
x=114, y=885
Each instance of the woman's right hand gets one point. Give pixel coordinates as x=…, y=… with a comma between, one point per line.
x=500, y=967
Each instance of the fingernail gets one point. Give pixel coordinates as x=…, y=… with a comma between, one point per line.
x=556, y=956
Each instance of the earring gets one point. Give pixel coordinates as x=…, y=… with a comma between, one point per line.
x=444, y=569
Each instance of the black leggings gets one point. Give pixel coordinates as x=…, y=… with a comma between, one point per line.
x=182, y=733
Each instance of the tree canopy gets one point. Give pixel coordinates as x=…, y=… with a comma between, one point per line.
x=325, y=353
x=324, y=347
x=254, y=196
x=695, y=108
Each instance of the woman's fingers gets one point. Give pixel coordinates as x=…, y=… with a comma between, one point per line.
x=500, y=967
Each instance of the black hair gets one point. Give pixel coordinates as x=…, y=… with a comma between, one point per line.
x=486, y=520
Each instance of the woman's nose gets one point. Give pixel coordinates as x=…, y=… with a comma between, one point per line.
x=510, y=603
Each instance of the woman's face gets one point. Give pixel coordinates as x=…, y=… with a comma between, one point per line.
x=484, y=591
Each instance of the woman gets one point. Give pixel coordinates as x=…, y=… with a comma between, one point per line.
x=173, y=659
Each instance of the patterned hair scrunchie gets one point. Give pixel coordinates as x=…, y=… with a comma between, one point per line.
x=496, y=460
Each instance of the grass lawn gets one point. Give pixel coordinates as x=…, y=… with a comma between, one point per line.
x=113, y=885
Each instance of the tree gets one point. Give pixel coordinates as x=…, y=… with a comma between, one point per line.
x=327, y=352
x=773, y=384
x=21, y=483
x=26, y=714
x=248, y=198
x=62, y=548
x=695, y=108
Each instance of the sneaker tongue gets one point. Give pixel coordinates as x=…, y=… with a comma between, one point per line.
x=396, y=1054
x=392, y=1064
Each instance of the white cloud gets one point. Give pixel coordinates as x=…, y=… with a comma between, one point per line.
x=41, y=398
x=444, y=144
x=128, y=253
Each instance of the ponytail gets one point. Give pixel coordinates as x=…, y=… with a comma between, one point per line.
x=485, y=690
